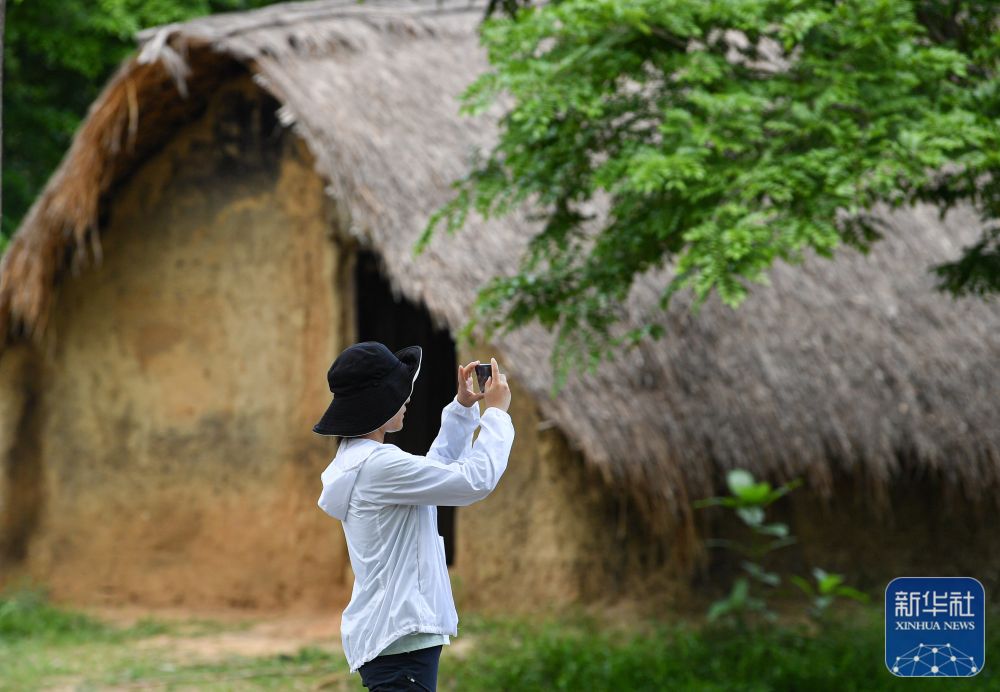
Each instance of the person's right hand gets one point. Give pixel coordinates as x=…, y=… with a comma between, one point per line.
x=497, y=391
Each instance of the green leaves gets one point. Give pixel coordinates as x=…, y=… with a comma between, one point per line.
x=976, y=271
x=760, y=574
x=748, y=499
x=796, y=25
x=738, y=602
x=747, y=494
x=721, y=154
x=827, y=589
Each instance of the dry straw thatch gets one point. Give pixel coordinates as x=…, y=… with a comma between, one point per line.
x=857, y=365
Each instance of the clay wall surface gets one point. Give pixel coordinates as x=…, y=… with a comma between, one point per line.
x=183, y=375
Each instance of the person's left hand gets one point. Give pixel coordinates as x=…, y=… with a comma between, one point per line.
x=466, y=396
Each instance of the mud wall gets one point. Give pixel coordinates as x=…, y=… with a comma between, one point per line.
x=187, y=371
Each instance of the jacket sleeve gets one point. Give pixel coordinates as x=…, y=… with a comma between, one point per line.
x=395, y=477
x=454, y=440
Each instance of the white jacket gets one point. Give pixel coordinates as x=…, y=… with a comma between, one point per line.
x=387, y=502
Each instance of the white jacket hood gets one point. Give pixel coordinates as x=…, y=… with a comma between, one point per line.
x=340, y=476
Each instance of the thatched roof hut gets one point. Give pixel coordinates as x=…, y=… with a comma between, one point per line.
x=853, y=366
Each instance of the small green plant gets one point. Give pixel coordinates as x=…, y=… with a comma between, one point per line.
x=828, y=588
x=747, y=597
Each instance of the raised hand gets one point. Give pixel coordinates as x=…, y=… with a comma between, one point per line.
x=497, y=392
x=466, y=396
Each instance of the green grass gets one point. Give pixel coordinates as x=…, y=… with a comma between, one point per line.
x=846, y=655
x=27, y=614
x=300, y=671
x=44, y=646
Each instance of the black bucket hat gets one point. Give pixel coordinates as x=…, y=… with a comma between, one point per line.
x=370, y=384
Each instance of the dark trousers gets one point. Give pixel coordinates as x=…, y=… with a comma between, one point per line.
x=410, y=670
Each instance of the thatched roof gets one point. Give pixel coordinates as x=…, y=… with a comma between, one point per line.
x=858, y=364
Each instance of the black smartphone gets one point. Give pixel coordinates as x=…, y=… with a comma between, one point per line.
x=482, y=373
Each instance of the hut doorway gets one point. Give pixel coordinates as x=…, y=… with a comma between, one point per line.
x=397, y=322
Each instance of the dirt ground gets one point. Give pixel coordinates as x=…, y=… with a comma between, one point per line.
x=262, y=634
x=252, y=634
x=203, y=636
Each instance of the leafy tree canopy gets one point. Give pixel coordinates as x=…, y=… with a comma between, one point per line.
x=727, y=134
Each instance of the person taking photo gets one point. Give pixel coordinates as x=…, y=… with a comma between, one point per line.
x=402, y=611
